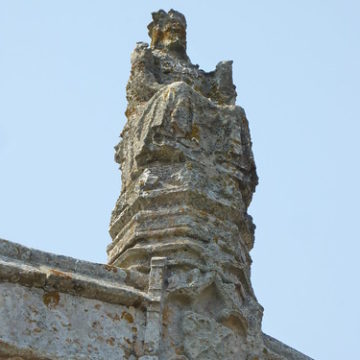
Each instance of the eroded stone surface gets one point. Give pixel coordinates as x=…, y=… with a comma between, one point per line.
x=63, y=326
x=188, y=176
x=177, y=283
x=56, y=307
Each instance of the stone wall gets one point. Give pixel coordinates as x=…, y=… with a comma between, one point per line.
x=55, y=307
x=63, y=326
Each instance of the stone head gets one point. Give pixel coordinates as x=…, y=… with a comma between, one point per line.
x=168, y=31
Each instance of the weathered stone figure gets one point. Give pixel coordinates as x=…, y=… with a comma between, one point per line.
x=177, y=283
x=188, y=175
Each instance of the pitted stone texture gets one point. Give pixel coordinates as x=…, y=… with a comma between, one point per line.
x=206, y=339
x=34, y=268
x=188, y=176
x=62, y=326
x=180, y=233
x=39, y=291
x=187, y=169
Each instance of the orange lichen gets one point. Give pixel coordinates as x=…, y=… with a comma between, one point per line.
x=194, y=134
x=111, y=268
x=127, y=316
x=114, y=317
x=51, y=299
x=129, y=111
x=61, y=274
x=162, y=37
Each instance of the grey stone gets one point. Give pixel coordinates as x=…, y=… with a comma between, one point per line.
x=62, y=326
x=177, y=283
x=188, y=176
x=55, y=307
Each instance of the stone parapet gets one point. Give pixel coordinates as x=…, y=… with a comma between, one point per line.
x=57, y=307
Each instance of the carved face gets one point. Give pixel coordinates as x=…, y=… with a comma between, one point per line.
x=168, y=31
x=172, y=36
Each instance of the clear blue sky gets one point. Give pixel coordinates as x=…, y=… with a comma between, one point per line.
x=63, y=71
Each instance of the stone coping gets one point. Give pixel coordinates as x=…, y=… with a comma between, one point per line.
x=280, y=348
x=34, y=268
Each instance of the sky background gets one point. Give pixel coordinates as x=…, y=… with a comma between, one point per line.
x=63, y=71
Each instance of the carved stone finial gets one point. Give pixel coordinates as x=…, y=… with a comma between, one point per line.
x=188, y=176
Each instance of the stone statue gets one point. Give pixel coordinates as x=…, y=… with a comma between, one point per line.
x=188, y=175
x=177, y=283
